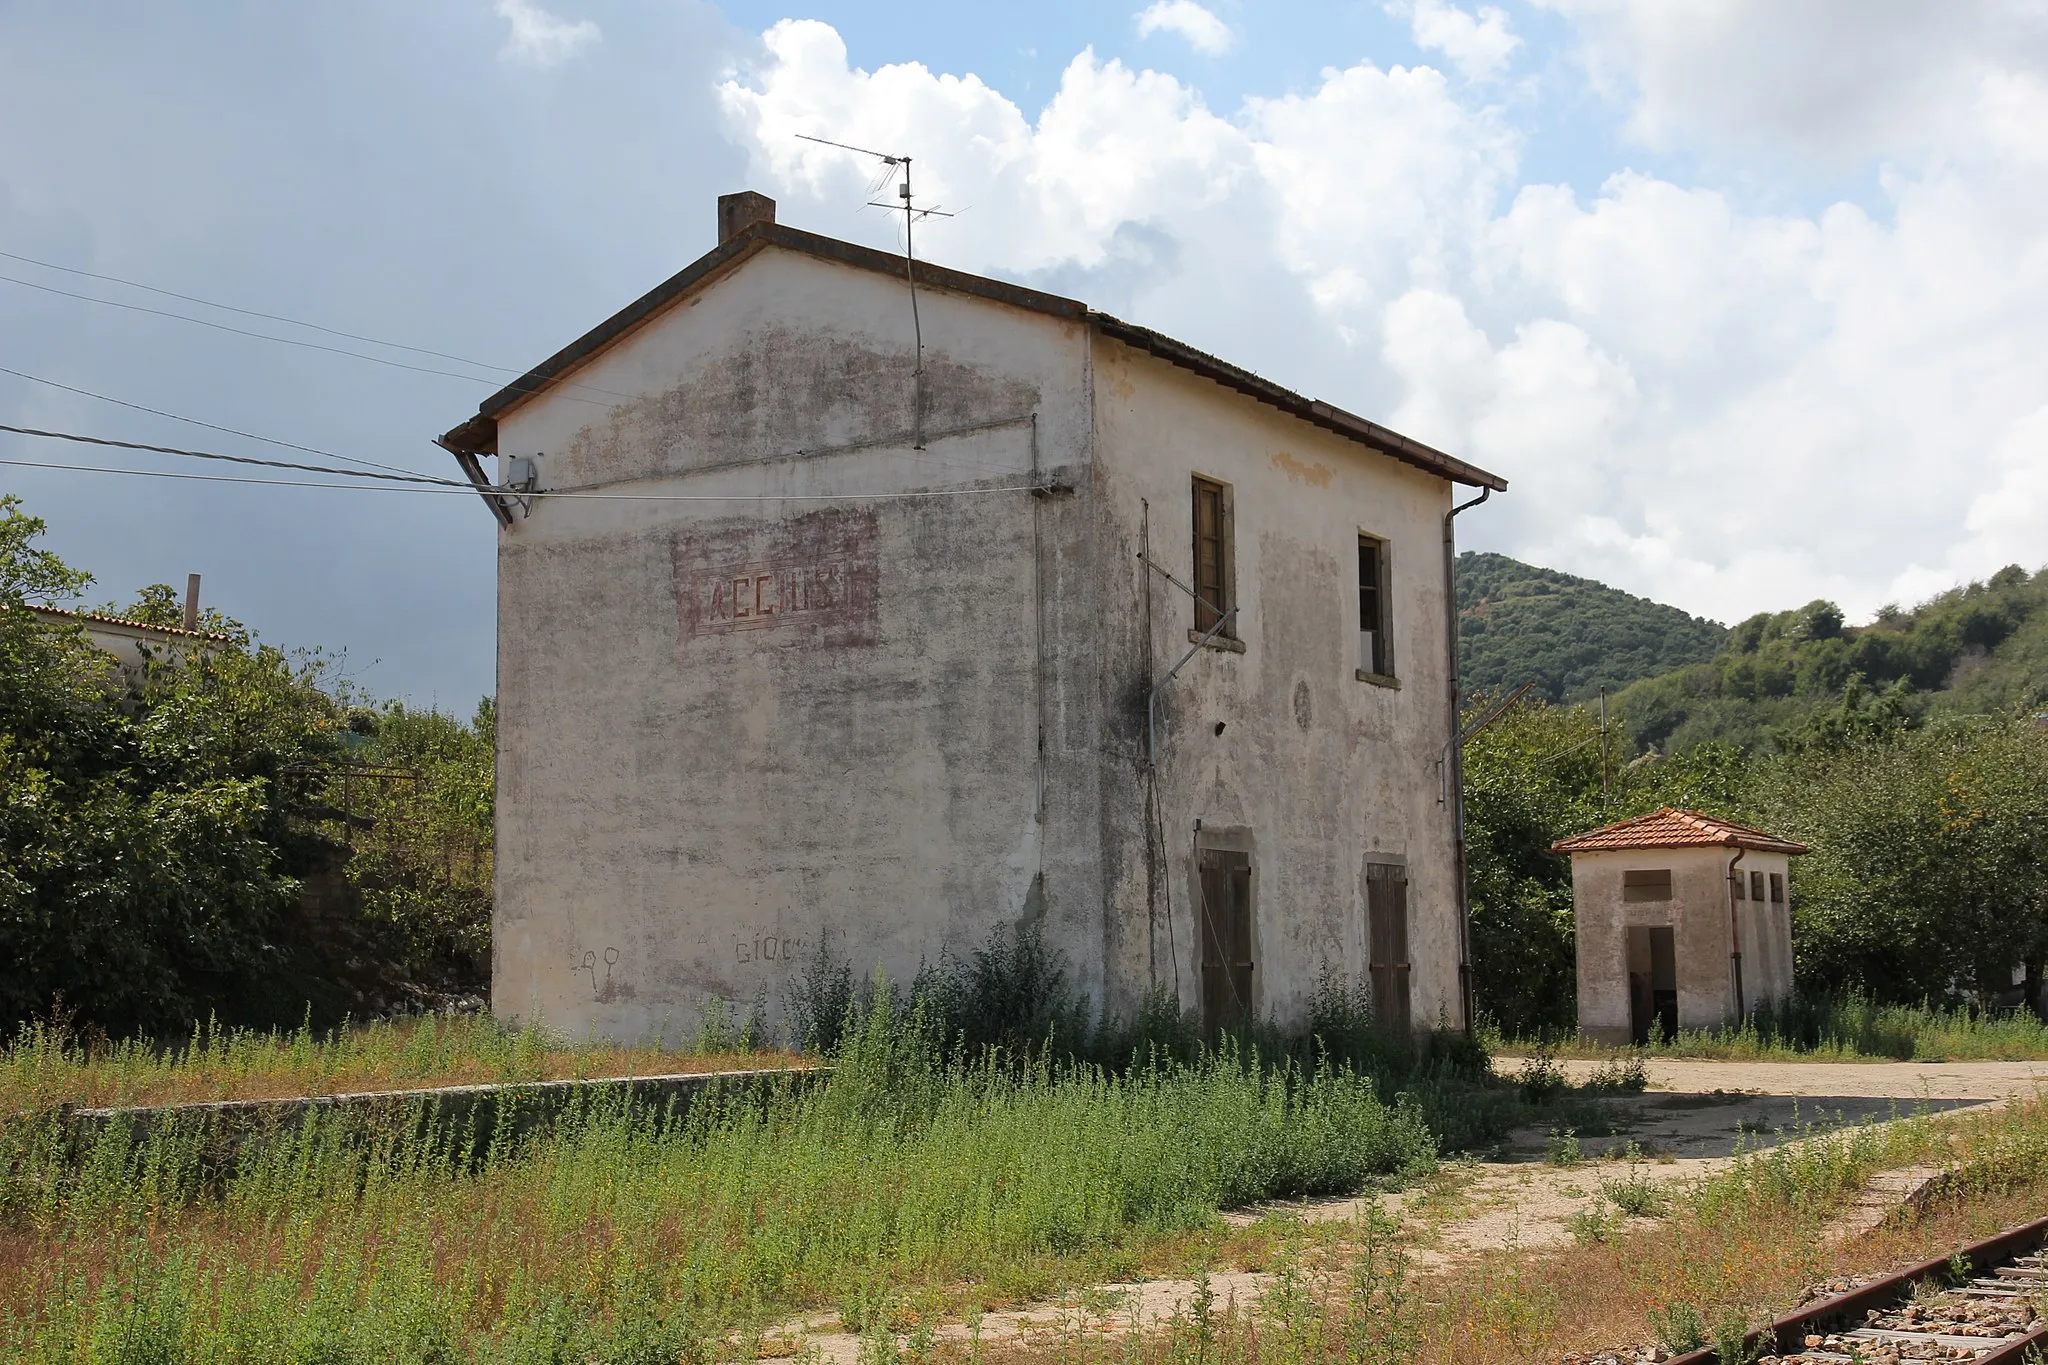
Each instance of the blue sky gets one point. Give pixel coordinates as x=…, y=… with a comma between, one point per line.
x=1686, y=271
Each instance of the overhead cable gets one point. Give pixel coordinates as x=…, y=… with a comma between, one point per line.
x=275, y=317
x=265, y=336
x=210, y=426
x=234, y=459
x=464, y=489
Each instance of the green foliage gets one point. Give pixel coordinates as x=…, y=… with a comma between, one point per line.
x=1011, y=1004
x=1570, y=636
x=1679, y=1328
x=1928, y=879
x=1531, y=778
x=144, y=855
x=161, y=831
x=1979, y=648
x=417, y=796
x=1929, y=871
x=621, y=1226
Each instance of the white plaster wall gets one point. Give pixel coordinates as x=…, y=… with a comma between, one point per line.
x=689, y=812
x=1698, y=913
x=1319, y=768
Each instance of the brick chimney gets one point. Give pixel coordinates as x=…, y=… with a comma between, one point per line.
x=738, y=212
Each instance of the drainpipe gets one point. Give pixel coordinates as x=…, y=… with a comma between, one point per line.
x=1735, y=936
x=1455, y=759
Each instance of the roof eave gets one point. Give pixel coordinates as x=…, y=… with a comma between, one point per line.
x=479, y=435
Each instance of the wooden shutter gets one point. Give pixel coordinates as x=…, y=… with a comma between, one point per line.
x=1386, y=917
x=1212, y=578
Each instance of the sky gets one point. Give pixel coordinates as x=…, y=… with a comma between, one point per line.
x=1747, y=300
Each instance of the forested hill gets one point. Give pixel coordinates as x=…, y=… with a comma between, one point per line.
x=1569, y=636
x=1981, y=649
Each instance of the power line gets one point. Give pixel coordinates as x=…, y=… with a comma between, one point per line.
x=462, y=489
x=462, y=484
x=230, y=478
x=210, y=426
x=265, y=336
x=273, y=317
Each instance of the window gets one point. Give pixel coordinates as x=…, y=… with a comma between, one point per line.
x=1740, y=883
x=1756, y=886
x=1651, y=884
x=1375, y=641
x=1777, y=888
x=1213, y=556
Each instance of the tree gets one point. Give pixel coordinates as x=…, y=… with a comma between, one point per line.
x=148, y=844
x=1928, y=878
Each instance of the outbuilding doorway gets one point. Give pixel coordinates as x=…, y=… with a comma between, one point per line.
x=1226, y=921
x=1652, y=982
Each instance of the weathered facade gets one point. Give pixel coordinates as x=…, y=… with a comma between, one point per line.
x=809, y=640
x=1683, y=921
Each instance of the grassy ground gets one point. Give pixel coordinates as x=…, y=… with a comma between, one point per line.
x=616, y=1236
x=1729, y=1254
x=45, y=1066
x=1846, y=1029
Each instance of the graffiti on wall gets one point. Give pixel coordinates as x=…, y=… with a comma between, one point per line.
x=816, y=570
x=766, y=947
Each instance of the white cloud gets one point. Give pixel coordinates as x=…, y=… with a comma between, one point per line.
x=1479, y=45
x=1199, y=27
x=1726, y=409
x=1828, y=81
x=538, y=38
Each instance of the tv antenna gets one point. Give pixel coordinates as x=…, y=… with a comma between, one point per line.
x=911, y=214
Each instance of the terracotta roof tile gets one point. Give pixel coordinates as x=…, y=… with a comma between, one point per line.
x=1674, y=828
x=106, y=620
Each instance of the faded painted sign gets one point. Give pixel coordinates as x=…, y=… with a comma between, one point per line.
x=816, y=570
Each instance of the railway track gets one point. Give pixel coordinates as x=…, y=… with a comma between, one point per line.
x=1987, y=1305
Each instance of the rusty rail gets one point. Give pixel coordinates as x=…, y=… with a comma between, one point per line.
x=1787, y=1335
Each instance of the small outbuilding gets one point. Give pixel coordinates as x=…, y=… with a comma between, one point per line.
x=1684, y=921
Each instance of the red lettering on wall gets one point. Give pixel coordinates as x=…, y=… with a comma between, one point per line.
x=818, y=569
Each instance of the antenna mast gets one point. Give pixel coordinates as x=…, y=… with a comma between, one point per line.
x=910, y=215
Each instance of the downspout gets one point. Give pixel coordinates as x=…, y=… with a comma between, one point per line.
x=1735, y=936
x=1455, y=760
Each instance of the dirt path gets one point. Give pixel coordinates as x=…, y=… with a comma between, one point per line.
x=1696, y=1116
x=1868, y=1080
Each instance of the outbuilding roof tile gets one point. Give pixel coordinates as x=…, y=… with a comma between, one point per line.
x=1675, y=828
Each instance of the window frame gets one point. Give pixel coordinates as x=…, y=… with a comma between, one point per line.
x=1382, y=665
x=1226, y=561
x=1777, y=888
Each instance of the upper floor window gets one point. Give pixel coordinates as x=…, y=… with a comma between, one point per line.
x=1375, y=637
x=1214, y=590
x=1756, y=886
x=1646, y=884
x=1777, y=888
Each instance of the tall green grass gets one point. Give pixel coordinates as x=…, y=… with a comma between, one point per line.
x=625, y=1235
x=1854, y=1027
x=47, y=1064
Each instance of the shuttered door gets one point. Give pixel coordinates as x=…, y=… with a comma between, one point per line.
x=1386, y=922
x=1226, y=919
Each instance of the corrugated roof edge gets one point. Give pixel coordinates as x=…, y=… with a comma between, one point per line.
x=479, y=435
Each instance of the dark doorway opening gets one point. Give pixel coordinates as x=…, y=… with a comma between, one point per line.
x=1652, y=982
x=1386, y=943
x=1226, y=922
